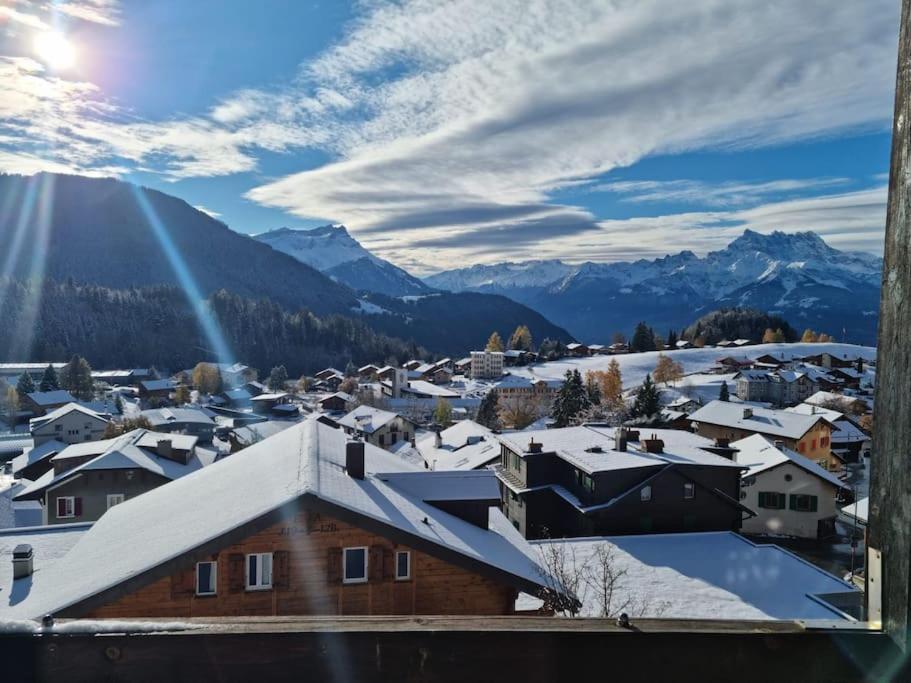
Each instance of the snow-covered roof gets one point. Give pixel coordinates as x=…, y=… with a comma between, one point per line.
x=756, y=419
x=274, y=396
x=158, y=385
x=140, y=535
x=711, y=575
x=759, y=454
x=858, y=510
x=422, y=387
x=239, y=394
x=822, y=397
x=592, y=449
x=49, y=544
x=57, y=413
x=164, y=416
x=466, y=445
x=367, y=419
x=846, y=432
x=255, y=433
x=49, y=398
x=33, y=455
x=347, y=398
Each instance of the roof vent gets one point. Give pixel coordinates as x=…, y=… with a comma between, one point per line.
x=747, y=413
x=534, y=446
x=594, y=449
x=22, y=561
x=354, y=459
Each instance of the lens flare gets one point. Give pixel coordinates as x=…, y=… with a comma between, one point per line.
x=55, y=49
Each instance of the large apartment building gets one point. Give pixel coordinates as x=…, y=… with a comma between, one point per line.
x=486, y=364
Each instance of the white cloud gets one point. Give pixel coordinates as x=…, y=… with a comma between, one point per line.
x=105, y=12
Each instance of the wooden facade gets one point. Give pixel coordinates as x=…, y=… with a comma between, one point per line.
x=307, y=580
x=815, y=444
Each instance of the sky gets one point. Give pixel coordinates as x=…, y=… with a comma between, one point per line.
x=449, y=133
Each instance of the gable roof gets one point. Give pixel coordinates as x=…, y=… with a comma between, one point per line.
x=761, y=420
x=367, y=419
x=158, y=385
x=49, y=398
x=164, y=416
x=252, y=490
x=759, y=455
x=846, y=431
x=57, y=413
x=36, y=454
x=466, y=445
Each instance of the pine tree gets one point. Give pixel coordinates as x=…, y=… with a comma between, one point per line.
x=643, y=339
x=521, y=339
x=350, y=369
x=277, y=378
x=494, y=342
x=25, y=384
x=488, y=411
x=672, y=339
x=646, y=399
x=76, y=378
x=571, y=400
x=723, y=394
x=49, y=380
x=593, y=388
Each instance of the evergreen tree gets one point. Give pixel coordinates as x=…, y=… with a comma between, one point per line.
x=494, y=342
x=10, y=405
x=49, y=380
x=277, y=378
x=571, y=400
x=521, y=339
x=643, y=339
x=593, y=388
x=723, y=394
x=646, y=403
x=488, y=410
x=672, y=339
x=350, y=369
x=25, y=384
x=118, y=402
x=76, y=378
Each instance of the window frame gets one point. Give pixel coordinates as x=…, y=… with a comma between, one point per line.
x=354, y=581
x=122, y=497
x=213, y=578
x=72, y=506
x=259, y=586
x=645, y=494
x=407, y=575
x=689, y=487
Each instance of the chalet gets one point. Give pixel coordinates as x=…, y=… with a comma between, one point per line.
x=619, y=347
x=675, y=419
x=684, y=404
x=683, y=344
x=773, y=361
x=739, y=343
x=273, y=403
x=518, y=357
x=781, y=387
x=854, y=405
x=329, y=372
x=121, y=378
x=386, y=372
x=724, y=344
x=422, y=389
x=466, y=445
x=462, y=366
x=486, y=364
x=378, y=427
x=158, y=389
x=337, y=402
x=510, y=386
x=235, y=374
x=368, y=372
x=751, y=385
x=197, y=422
x=809, y=435
x=302, y=523
x=850, y=377
x=40, y=403
x=849, y=442
x=734, y=363
x=412, y=364
x=578, y=350
x=88, y=479
x=598, y=349
x=236, y=398
x=440, y=375
x=791, y=494
x=584, y=481
x=830, y=360
x=71, y=423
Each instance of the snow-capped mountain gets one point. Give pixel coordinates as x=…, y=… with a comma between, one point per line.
x=334, y=252
x=796, y=275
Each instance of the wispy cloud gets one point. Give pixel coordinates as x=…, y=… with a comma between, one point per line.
x=106, y=12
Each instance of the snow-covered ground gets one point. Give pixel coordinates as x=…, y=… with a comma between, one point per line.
x=634, y=366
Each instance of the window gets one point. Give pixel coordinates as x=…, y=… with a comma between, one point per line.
x=801, y=447
x=259, y=571
x=813, y=445
x=115, y=499
x=66, y=507
x=645, y=494
x=802, y=502
x=771, y=500
x=689, y=490
x=824, y=441
x=355, y=564
x=402, y=565
x=206, y=578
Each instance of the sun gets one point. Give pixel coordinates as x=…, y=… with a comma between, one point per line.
x=55, y=49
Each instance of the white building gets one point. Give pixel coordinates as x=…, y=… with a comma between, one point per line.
x=486, y=364
x=790, y=494
x=68, y=424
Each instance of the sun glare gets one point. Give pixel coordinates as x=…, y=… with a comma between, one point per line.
x=55, y=49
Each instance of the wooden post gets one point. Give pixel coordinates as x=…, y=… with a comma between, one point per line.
x=890, y=485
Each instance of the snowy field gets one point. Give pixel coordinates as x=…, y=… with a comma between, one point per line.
x=634, y=366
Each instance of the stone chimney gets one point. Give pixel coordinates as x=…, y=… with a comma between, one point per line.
x=747, y=413
x=354, y=459
x=22, y=561
x=534, y=446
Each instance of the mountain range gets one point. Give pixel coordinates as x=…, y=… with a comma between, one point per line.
x=109, y=233
x=795, y=275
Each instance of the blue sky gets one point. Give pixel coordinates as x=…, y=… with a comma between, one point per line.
x=460, y=132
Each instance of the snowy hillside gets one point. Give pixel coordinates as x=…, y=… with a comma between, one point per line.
x=334, y=252
x=634, y=366
x=795, y=275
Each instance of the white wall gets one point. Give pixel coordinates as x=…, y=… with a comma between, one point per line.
x=788, y=522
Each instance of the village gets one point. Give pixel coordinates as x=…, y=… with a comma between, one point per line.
x=504, y=482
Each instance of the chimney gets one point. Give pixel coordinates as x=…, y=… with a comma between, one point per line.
x=22, y=561
x=437, y=437
x=632, y=434
x=534, y=446
x=747, y=413
x=354, y=459
x=722, y=442
x=165, y=449
x=621, y=439
x=653, y=445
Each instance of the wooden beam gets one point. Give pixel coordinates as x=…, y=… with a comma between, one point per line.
x=890, y=485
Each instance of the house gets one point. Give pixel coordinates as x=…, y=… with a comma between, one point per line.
x=236, y=398
x=849, y=441
x=683, y=344
x=462, y=366
x=675, y=419
x=684, y=404
x=848, y=404
x=42, y=402
x=466, y=445
x=577, y=350
x=412, y=364
x=88, y=479
x=337, y=402
x=486, y=364
x=378, y=427
x=751, y=385
x=734, y=363
x=235, y=374
x=830, y=360
x=71, y=423
x=276, y=402
x=368, y=372
x=327, y=373
x=421, y=389
x=512, y=386
x=157, y=389
x=780, y=386
x=598, y=349
x=585, y=481
x=739, y=343
x=791, y=494
x=255, y=388
x=246, y=436
x=440, y=375
x=121, y=378
x=303, y=523
x=197, y=422
x=695, y=576
x=809, y=435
